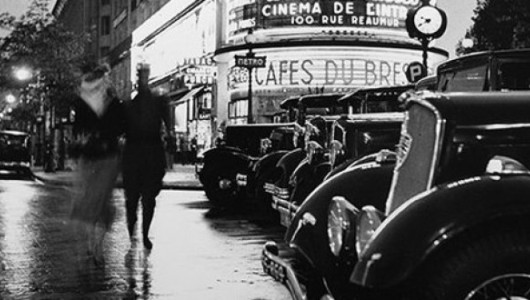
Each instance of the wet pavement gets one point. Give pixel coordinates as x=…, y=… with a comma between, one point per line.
x=197, y=254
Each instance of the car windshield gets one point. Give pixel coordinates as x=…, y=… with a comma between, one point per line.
x=12, y=140
x=469, y=79
x=514, y=75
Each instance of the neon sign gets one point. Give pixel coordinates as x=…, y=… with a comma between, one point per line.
x=386, y=14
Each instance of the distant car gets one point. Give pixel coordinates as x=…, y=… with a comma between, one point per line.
x=223, y=169
x=15, y=153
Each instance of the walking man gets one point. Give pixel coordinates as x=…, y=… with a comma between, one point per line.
x=144, y=158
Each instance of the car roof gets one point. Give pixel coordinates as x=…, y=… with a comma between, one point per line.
x=472, y=108
x=289, y=102
x=321, y=100
x=383, y=91
x=426, y=83
x=14, y=132
x=514, y=53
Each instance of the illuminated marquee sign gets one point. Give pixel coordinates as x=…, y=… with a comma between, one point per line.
x=343, y=70
x=386, y=14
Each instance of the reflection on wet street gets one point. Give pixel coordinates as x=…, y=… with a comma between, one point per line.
x=196, y=254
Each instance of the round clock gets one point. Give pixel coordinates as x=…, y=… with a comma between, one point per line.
x=428, y=21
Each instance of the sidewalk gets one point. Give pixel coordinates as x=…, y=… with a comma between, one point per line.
x=181, y=177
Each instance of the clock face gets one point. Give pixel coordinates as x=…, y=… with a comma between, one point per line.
x=428, y=20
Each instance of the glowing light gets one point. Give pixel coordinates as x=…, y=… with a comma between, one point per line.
x=10, y=98
x=23, y=73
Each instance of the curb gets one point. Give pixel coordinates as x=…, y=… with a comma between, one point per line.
x=192, y=186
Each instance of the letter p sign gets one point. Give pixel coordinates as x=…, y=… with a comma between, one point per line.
x=415, y=71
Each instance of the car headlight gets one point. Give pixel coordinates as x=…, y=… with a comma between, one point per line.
x=265, y=145
x=336, y=152
x=341, y=218
x=505, y=165
x=314, y=151
x=368, y=220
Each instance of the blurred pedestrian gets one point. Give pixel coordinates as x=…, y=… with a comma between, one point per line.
x=99, y=122
x=144, y=154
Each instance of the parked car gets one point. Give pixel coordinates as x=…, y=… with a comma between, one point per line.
x=505, y=70
x=242, y=146
x=15, y=153
x=317, y=113
x=372, y=124
x=383, y=229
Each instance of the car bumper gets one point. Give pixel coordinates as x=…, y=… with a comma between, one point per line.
x=282, y=203
x=281, y=270
x=241, y=179
x=14, y=165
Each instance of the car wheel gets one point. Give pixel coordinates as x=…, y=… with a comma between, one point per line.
x=491, y=266
x=220, y=185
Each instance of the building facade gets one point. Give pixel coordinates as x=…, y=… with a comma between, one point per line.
x=309, y=47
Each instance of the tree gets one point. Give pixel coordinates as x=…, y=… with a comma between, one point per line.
x=52, y=52
x=499, y=24
x=42, y=44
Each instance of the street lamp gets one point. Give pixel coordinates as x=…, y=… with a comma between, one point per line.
x=10, y=98
x=23, y=73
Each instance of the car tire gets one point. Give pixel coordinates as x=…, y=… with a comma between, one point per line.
x=474, y=265
x=213, y=175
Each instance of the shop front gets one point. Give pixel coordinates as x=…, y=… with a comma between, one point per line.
x=178, y=43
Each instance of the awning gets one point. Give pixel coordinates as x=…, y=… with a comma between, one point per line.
x=187, y=96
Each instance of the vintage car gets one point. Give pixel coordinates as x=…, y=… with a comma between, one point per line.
x=460, y=178
x=505, y=70
x=242, y=146
x=317, y=113
x=262, y=172
x=445, y=219
x=372, y=124
x=15, y=156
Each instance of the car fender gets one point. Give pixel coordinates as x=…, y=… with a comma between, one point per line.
x=268, y=162
x=306, y=179
x=366, y=184
x=224, y=156
x=287, y=164
x=431, y=220
x=218, y=153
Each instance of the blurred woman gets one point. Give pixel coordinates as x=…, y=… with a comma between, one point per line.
x=99, y=123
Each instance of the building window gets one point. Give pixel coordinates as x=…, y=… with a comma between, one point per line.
x=105, y=2
x=105, y=25
x=133, y=4
x=237, y=111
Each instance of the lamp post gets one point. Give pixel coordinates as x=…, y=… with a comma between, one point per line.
x=250, y=61
x=250, y=39
x=24, y=74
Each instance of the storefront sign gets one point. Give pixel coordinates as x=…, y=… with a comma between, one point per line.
x=250, y=61
x=385, y=14
x=362, y=67
x=325, y=72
